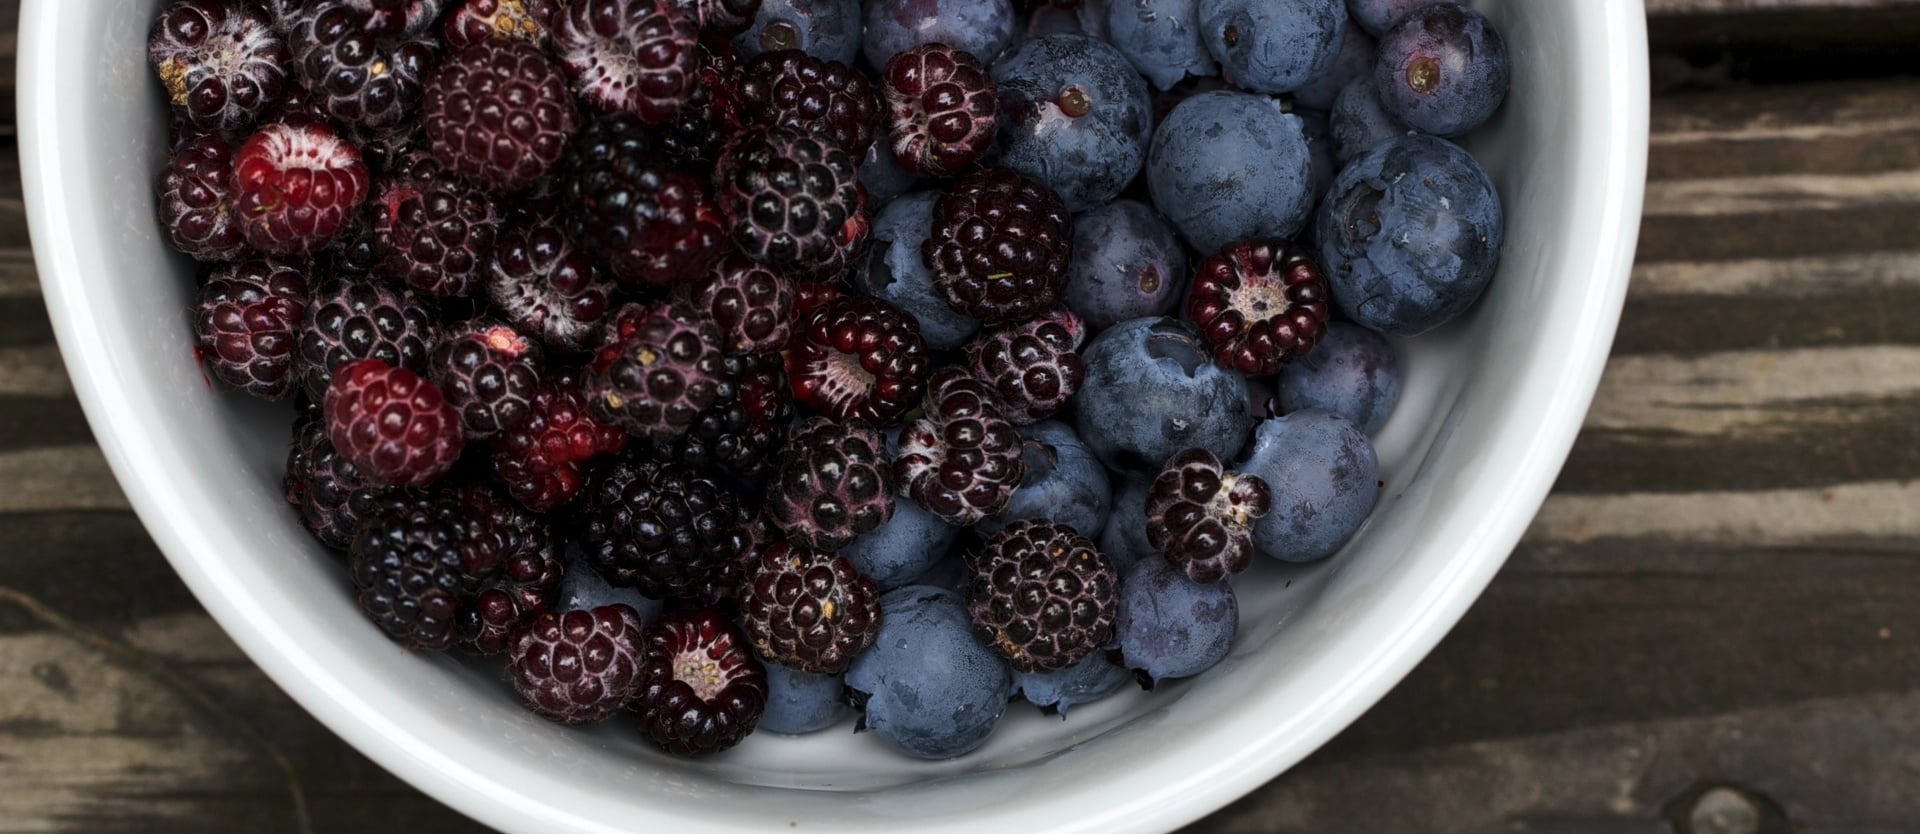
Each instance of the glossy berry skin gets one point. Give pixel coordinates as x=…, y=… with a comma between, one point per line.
x=295, y=185
x=489, y=373
x=661, y=368
x=697, y=134
x=1273, y=46
x=1353, y=373
x=1169, y=626
x=1082, y=683
x=1127, y=264
x=1230, y=166
x=629, y=56
x=582, y=588
x=1200, y=515
x=397, y=17
x=1410, y=235
x=1377, y=17
x=834, y=484
x=412, y=570
x=794, y=201
x=799, y=703
x=1075, y=116
x=807, y=609
x=701, y=691
x=545, y=286
x=928, y=685
x=643, y=221
x=432, y=231
x=999, y=247
x=665, y=529
x=858, y=358
x=1124, y=539
x=981, y=28
x=1443, y=69
x=543, y=460
x=577, y=667
x=961, y=461
x=247, y=323
x=477, y=21
x=826, y=29
x=1063, y=482
x=883, y=178
x=1162, y=38
x=747, y=424
x=895, y=272
x=325, y=487
x=358, y=75
x=722, y=18
x=499, y=113
x=749, y=303
x=359, y=319
x=528, y=582
x=1259, y=305
x=1359, y=122
x=901, y=550
x=221, y=61
x=195, y=199
x=942, y=109
x=1152, y=391
x=790, y=89
x=1324, y=477
x=392, y=423
x=1042, y=596
x=1032, y=367
x=1355, y=59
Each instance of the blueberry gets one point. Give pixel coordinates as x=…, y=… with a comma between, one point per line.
x=928, y=685
x=1064, y=482
x=894, y=271
x=1359, y=121
x=1124, y=539
x=1410, y=235
x=1355, y=59
x=904, y=548
x=583, y=589
x=1324, y=478
x=1322, y=164
x=1127, y=264
x=1377, y=16
x=1161, y=37
x=825, y=29
x=1272, y=46
x=800, y=703
x=1443, y=70
x=1170, y=626
x=1230, y=166
x=1352, y=373
x=949, y=573
x=1152, y=391
x=981, y=27
x=1074, y=116
x=882, y=176
x=1087, y=17
x=1082, y=683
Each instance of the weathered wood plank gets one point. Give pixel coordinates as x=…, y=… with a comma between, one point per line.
x=58, y=478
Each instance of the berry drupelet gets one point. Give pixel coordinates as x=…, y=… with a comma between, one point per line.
x=747, y=423
x=196, y=199
x=961, y=461
x=833, y=485
x=432, y=231
x=658, y=372
x=489, y=373
x=543, y=460
x=413, y=571
x=791, y=89
x=858, y=357
x=629, y=56
x=942, y=109
x=1259, y=305
x=701, y=691
x=794, y=201
x=643, y=221
x=392, y=423
x=247, y=322
x=528, y=581
x=360, y=70
x=527, y=21
x=999, y=247
x=578, y=667
x=664, y=528
x=546, y=287
x=221, y=61
x=1201, y=515
x=807, y=609
x=359, y=319
x=1042, y=596
x=1033, y=367
x=499, y=113
x=696, y=135
x=295, y=186
x=325, y=487
x=749, y=303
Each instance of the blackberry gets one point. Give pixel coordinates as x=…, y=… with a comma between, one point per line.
x=943, y=109
x=392, y=423
x=833, y=485
x=1200, y=515
x=657, y=373
x=747, y=423
x=749, y=303
x=221, y=61
x=722, y=18
x=527, y=583
x=499, y=113
x=999, y=247
x=664, y=528
x=1259, y=305
x=543, y=460
x=696, y=134
x=412, y=571
x=527, y=21
x=357, y=319
x=791, y=89
x=1042, y=596
x=325, y=487
x=794, y=201
x=641, y=220
x=489, y=373
x=701, y=691
x=808, y=609
x=1032, y=367
x=246, y=322
x=431, y=231
x=961, y=461
x=629, y=56
x=359, y=74
x=546, y=287
x=577, y=667
x=196, y=199
x=860, y=357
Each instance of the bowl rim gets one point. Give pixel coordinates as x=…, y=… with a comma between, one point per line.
x=333, y=700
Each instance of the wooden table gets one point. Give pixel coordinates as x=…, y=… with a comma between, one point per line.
x=1711, y=628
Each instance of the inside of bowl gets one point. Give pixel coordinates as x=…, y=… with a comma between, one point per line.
x=208, y=471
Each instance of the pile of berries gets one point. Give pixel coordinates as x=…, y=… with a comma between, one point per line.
x=715, y=373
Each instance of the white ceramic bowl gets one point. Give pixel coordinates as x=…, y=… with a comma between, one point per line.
x=1491, y=408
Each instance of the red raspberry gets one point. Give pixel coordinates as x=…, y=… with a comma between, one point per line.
x=1259, y=305
x=392, y=423
x=542, y=461
x=943, y=109
x=296, y=184
x=499, y=113
x=580, y=666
